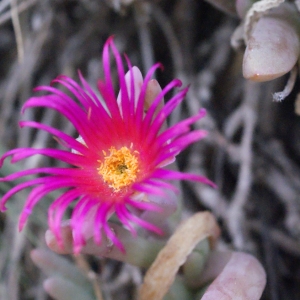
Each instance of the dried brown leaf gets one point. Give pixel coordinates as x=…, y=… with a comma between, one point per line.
x=162, y=272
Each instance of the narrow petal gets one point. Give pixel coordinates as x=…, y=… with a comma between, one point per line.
x=35, y=196
x=57, y=210
x=68, y=140
x=175, y=175
x=75, y=114
x=149, y=189
x=144, y=205
x=164, y=113
x=18, y=188
x=106, y=88
x=113, y=237
x=125, y=105
x=182, y=142
x=180, y=128
x=141, y=101
x=66, y=156
x=143, y=223
x=75, y=89
x=100, y=219
x=152, y=109
x=67, y=172
x=79, y=216
x=53, y=183
x=90, y=91
x=162, y=184
x=122, y=217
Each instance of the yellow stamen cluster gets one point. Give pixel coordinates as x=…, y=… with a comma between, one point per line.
x=119, y=169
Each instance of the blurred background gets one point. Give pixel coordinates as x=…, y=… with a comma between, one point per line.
x=252, y=151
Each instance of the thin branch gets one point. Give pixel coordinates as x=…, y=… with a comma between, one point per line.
x=90, y=275
x=17, y=29
x=235, y=214
x=20, y=8
x=279, y=96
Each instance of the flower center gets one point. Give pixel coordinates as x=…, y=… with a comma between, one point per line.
x=119, y=169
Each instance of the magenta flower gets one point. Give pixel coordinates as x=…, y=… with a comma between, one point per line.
x=119, y=155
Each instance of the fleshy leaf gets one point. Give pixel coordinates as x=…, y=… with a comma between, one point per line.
x=63, y=289
x=242, y=278
x=273, y=47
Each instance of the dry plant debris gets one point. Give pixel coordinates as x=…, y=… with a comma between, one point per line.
x=162, y=272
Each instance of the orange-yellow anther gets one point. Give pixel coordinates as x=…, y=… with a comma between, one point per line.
x=119, y=168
